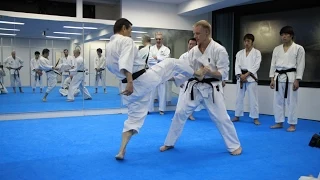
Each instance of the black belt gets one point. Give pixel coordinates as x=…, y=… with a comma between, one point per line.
x=252, y=75
x=80, y=71
x=2, y=86
x=287, y=80
x=37, y=75
x=134, y=75
x=53, y=71
x=207, y=81
x=15, y=75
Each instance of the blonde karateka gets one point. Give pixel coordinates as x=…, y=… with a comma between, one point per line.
x=14, y=64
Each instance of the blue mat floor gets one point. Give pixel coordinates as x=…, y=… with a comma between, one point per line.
x=32, y=102
x=84, y=148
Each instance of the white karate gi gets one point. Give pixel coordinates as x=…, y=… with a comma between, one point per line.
x=34, y=64
x=14, y=74
x=161, y=54
x=46, y=65
x=216, y=57
x=293, y=58
x=66, y=60
x=78, y=80
x=64, y=90
x=100, y=63
x=122, y=54
x=3, y=89
x=249, y=63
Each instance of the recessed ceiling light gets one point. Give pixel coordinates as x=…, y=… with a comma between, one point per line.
x=57, y=37
x=74, y=27
x=4, y=34
x=104, y=39
x=9, y=22
x=5, y=29
x=139, y=32
x=67, y=33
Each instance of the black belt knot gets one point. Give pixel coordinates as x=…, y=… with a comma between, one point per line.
x=207, y=81
x=287, y=79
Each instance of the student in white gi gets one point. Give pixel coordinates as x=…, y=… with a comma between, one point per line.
x=77, y=76
x=46, y=65
x=158, y=53
x=145, y=51
x=137, y=82
x=286, y=71
x=247, y=65
x=215, y=60
x=3, y=89
x=100, y=67
x=64, y=90
x=36, y=73
x=14, y=64
x=66, y=59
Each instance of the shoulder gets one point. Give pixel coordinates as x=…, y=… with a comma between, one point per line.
x=299, y=47
x=257, y=51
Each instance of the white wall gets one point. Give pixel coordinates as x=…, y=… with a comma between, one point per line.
x=158, y=15
x=25, y=49
x=308, y=99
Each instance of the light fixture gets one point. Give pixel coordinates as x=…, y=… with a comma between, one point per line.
x=103, y=39
x=57, y=37
x=137, y=41
x=4, y=34
x=139, y=32
x=74, y=27
x=67, y=33
x=138, y=37
x=5, y=29
x=152, y=38
x=9, y=22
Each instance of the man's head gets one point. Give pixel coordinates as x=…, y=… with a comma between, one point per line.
x=192, y=43
x=123, y=26
x=146, y=40
x=287, y=34
x=248, y=40
x=202, y=31
x=66, y=52
x=159, y=38
x=99, y=52
x=13, y=54
x=45, y=53
x=76, y=53
x=37, y=54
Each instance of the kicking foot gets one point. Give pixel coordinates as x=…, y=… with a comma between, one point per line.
x=165, y=148
x=70, y=100
x=277, y=126
x=236, y=152
x=192, y=118
x=199, y=74
x=256, y=122
x=235, y=119
x=120, y=156
x=161, y=113
x=292, y=128
x=44, y=99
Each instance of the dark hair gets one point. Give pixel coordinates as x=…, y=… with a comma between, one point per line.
x=219, y=42
x=119, y=23
x=99, y=50
x=65, y=50
x=249, y=36
x=287, y=30
x=37, y=53
x=45, y=51
x=192, y=39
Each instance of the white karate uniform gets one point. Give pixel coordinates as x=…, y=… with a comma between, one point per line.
x=216, y=57
x=14, y=74
x=122, y=54
x=46, y=65
x=161, y=54
x=100, y=63
x=293, y=58
x=34, y=64
x=64, y=90
x=3, y=89
x=78, y=80
x=69, y=60
x=249, y=63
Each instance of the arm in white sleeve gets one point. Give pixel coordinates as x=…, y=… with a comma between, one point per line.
x=96, y=63
x=126, y=56
x=32, y=65
x=300, y=62
x=223, y=64
x=21, y=62
x=256, y=63
x=237, y=67
x=273, y=65
x=44, y=65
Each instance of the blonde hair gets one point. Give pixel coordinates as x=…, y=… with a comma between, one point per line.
x=158, y=34
x=204, y=24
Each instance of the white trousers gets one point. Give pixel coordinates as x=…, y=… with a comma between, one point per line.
x=64, y=92
x=169, y=91
x=100, y=77
x=78, y=82
x=64, y=76
x=280, y=104
x=137, y=102
x=3, y=89
x=252, y=89
x=15, y=80
x=35, y=80
x=52, y=81
x=217, y=113
x=161, y=97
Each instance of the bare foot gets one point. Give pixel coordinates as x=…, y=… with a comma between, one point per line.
x=44, y=99
x=165, y=148
x=237, y=152
x=292, y=128
x=256, y=122
x=120, y=156
x=236, y=119
x=277, y=126
x=192, y=118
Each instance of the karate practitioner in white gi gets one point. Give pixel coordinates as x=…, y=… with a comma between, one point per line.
x=137, y=82
x=215, y=60
x=77, y=75
x=3, y=89
x=46, y=65
x=64, y=90
x=66, y=59
x=14, y=64
x=158, y=53
x=287, y=67
x=100, y=67
x=247, y=65
x=36, y=73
